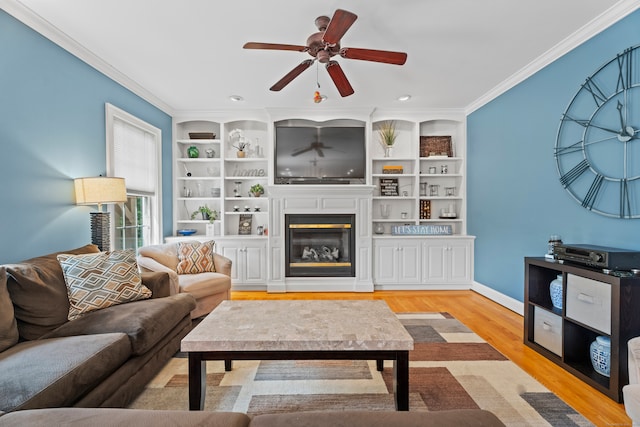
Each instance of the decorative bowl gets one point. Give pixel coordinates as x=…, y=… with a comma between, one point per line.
x=187, y=232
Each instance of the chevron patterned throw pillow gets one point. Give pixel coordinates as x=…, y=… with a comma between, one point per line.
x=195, y=257
x=96, y=281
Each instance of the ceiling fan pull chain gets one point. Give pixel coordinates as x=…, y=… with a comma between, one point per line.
x=317, y=98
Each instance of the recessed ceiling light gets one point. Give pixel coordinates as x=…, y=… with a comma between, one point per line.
x=404, y=98
x=236, y=98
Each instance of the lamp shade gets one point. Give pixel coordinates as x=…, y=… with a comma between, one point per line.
x=99, y=190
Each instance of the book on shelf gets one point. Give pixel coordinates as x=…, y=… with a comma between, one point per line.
x=392, y=169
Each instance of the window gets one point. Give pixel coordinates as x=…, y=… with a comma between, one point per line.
x=134, y=153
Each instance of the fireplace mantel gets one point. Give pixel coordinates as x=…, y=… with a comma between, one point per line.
x=320, y=199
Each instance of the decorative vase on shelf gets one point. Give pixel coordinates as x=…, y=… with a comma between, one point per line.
x=601, y=355
x=388, y=150
x=240, y=154
x=385, y=210
x=379, y=228
x=555, y=290
x=193, y=152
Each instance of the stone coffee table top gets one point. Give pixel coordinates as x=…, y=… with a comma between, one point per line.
x=316, y=325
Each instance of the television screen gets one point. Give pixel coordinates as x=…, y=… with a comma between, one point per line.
x=317, y=155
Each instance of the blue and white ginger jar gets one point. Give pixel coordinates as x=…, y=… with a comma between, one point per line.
x=555, y=289
x=601, y=355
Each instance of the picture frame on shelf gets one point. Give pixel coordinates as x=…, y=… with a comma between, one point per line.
x=389, y=186
x=440, y=145
x=244, y=224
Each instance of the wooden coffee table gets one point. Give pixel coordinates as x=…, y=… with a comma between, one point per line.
x=297, y=330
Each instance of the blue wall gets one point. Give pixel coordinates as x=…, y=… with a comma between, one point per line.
x=52, y=129
x=515, y=198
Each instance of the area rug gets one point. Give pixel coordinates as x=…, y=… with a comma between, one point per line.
x=450, y=368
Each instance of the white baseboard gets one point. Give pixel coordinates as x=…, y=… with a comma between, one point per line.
x=502, y=299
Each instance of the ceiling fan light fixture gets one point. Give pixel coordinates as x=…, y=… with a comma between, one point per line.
x=236, y=98
x=404, y=98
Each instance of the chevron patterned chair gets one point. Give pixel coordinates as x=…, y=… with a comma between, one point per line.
x=193, y=268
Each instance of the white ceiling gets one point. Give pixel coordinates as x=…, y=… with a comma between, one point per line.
x=187, y=55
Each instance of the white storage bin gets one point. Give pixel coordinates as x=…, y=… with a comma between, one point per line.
x=547, y=330
x=589, y=302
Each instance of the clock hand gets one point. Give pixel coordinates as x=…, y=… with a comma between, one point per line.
x=628, y=132
x=622, y=124
x=603, y=128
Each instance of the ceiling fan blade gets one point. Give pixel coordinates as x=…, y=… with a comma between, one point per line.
x=338, y=77
x=292, y=75
x=320, y=153
x=296, y=153
x=388, y=57
x=339, y=24
x=275, y=46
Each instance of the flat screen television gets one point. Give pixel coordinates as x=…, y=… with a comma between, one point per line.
x=320, y=155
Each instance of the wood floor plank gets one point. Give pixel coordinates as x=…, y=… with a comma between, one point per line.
x=499, y=326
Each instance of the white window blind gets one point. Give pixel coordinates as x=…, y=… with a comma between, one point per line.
x=135, y=157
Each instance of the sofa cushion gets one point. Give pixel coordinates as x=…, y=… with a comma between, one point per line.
x=123, y=417
x=195, y=257
x=55, y=372
x=8, y=326
x=158, y=282
x=97, y=281
x=166, y=254
x=39, y=293
x=458, y=418
x=146, y=322
x=204, y=284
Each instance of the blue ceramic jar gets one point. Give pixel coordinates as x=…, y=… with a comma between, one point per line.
x=601, y=355
x=555, y=289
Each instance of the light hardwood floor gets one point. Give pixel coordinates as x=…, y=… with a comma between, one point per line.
x=500, y=327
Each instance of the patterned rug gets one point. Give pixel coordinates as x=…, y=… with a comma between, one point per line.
x=451, y=367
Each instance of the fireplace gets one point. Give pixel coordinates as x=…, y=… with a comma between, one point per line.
x=320, y=245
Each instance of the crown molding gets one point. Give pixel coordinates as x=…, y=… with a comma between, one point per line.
x=592, y=28
x=46, y=29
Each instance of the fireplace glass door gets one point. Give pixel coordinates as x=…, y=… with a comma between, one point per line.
x=320, y=245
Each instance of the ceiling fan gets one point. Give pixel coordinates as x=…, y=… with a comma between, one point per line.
x=325, y=44
x=316, y=145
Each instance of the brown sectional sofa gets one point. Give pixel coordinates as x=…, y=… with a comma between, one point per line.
x=64, y=372
x=136, y=417
x=103, y=359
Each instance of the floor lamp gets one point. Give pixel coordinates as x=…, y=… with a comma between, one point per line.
x=98, y=191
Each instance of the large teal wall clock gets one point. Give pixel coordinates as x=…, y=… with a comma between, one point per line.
x=597, y=148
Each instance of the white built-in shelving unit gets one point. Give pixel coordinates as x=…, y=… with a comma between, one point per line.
x=221, y=181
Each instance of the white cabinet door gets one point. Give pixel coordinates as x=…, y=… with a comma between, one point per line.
x=434, y=267
x=409, y=262
x=234, y=254
x=385, y=262
x=459, y=259
x=248, y=257
x=255, y=257
x=396, y=262
x=447, y=261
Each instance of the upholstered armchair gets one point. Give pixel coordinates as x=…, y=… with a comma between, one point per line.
x=193, y=268
x=631, y=391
